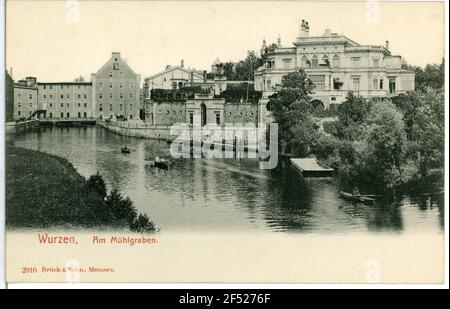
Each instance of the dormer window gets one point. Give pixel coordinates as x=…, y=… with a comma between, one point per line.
x=115, y=66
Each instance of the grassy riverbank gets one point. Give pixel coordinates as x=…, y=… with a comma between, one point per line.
x=44, y=190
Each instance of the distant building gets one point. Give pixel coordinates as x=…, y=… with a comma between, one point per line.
x=173, y=77
x=336, y=65
x=115, y=90
x=65, y=99
x=9, y=97
x=25, y=98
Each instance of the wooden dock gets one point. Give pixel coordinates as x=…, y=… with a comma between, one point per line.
x=311, y=167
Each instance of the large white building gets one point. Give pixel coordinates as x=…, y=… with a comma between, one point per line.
x=336, y=65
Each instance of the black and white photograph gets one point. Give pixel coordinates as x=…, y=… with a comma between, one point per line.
x=202, y=141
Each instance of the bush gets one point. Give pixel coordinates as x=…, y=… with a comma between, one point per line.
x=122, y=208
x=96, y=183
x=142, y=224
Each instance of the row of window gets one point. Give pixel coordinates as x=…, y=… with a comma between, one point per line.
x=30, y=96
x=61, y=86
x=121, y=85
x=62, y=96
x=325, y=62
x=100, y=107
x=67, y=104
x=100, y=96
x=67, y=115
x=19, y=104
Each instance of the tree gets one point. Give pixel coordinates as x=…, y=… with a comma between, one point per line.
x=292, y=110
x=385, y=145
x=96, y=183
x=245, y=69
x=351, y=116
x=432, y=76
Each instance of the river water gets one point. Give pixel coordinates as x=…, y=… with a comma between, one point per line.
x=227, y=195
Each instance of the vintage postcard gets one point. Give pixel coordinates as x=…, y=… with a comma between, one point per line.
x=225, y=141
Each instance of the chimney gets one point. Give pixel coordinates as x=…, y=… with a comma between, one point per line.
x=182, y=63
x=306, y=29
x=327, y=33
x=192, y=78
x=204, y=76
x=302, y=29
x=387, y=45
x=115, y=55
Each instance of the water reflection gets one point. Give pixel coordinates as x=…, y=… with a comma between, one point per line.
x=227, y=194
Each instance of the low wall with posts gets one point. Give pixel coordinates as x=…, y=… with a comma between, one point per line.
x=24, y=126
x=136, y=128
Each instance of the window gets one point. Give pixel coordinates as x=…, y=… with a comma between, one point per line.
x=336, y=61
x=100, y=96
x=18, y=113
x=62, y=104
x=85, y=96
x=120, y=107
x=191, y=118
x=315, y=62
x=131, y=107
x=110, y=95
x=131, y=85
x=110, y=74
x=79, y=96
x=333, y=98
x=121, y=95
x=287, y=64
x=68, y=96
x=51, y=105
x=45, y=87
x=392, y=85
x=68, y=104
x=337, y=84
x=325, y=61
x=356, y=83
x=79, y=105
x=29, y=113
x=100, y=85
x=121, y=85
x=110, y=85
x=100, y=107
x=79, y=115
x=115, y=66
x=62, y=96
x=62, y=87
x=131, y=95
x=375, y=84
x=110, y=107
x=78, y=86
x=50, y=87
x=269, y=85
x=375, y=63
x=318, y=81
x=62, y=115
x=85, y=115
x=131, y=116
x=218, y=118
x=356, y=61
x=31, y=104
x=174, y=85
x=51, y=115
x=51, y=96
x=45, y=96
x=30, y=96
x=68, y=115
x=381, y=84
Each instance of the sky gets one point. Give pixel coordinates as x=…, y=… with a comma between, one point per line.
x=61, y=40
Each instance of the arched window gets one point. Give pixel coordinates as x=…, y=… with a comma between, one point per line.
x=336, y=61
x=325, y=61
x=315, y=62
x=305, y=62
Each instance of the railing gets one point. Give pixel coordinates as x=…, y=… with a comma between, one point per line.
x=67, y=119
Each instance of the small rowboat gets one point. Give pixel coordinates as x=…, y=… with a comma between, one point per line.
x=357, y=197
x=160, y=163
x=125, y=149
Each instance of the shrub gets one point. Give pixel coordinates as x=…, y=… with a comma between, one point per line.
x=142, y=224
x=96, y=183
x=122, y=208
